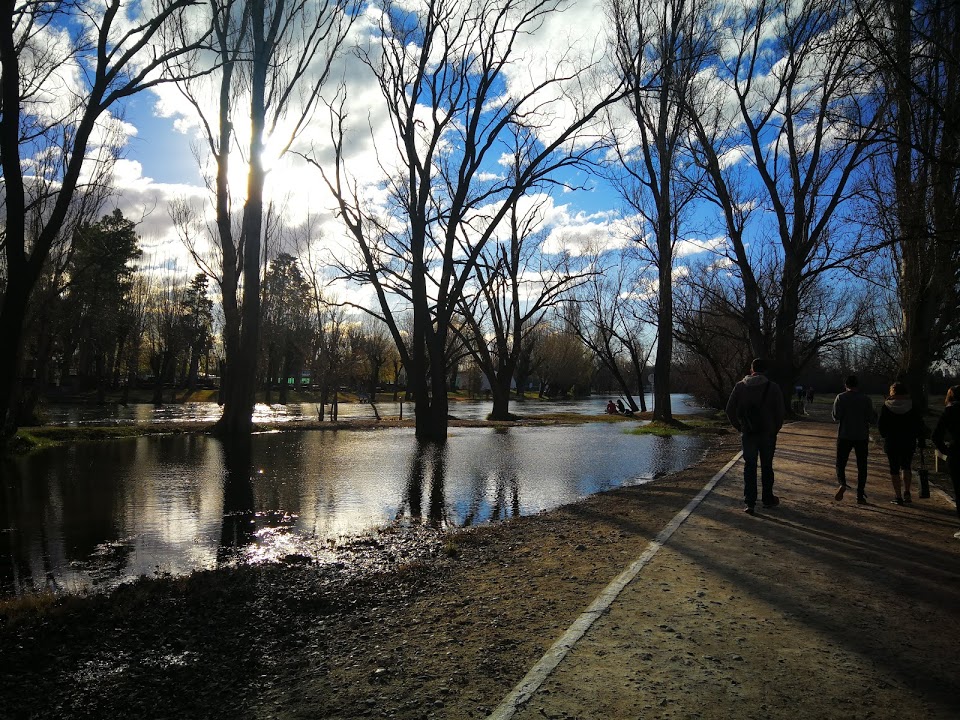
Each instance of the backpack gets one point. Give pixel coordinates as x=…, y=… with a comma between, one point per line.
x=751, y=416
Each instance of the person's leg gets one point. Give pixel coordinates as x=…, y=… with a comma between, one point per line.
x=860, y=449
x=751, y=450
x=766, y=449
x=843, y=454
x=891, y=452
x=906, y=460
x=954, y=464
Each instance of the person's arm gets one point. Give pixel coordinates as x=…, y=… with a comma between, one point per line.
x=835, y=412
x=731, y=408
x=939, y=436
x=882, y=422
x=779, y=411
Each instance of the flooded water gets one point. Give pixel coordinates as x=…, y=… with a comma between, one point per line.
x=210, y=412
x=95, y=515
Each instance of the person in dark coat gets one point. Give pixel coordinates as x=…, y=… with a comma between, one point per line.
x=948, y=425
x=854, y=411
x=757, y=392
x=900, y=426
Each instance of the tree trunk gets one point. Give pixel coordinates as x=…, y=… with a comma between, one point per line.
x=500, y=390
x=784, y=369
x=11, y=330
x=284, y=381
x=662, y=408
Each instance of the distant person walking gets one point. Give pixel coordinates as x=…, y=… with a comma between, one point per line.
x=949, y=425
x=854, y=411
x=900, y=426
x=756, y=409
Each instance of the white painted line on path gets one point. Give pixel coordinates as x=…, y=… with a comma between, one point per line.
x=532, y=681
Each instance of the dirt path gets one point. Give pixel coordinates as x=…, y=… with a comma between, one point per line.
x=814, y=609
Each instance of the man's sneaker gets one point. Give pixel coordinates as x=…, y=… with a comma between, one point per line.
x=861, y=499
x=957, y=534
x=897, y=501
x=840, y=490
x=772, y=502
x=749, y=510
x=907, y=498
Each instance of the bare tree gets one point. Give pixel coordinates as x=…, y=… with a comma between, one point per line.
x=375, y=344
x=660, y=46
x=916, y=179
x=782, y=126
x=272, y=59
x=604, y=317
x=49, y=124
x=457, y=90
x=514, y=285
x=565, y=366
x=165, y=330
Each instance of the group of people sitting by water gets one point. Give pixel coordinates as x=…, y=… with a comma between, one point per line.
x=619, y=408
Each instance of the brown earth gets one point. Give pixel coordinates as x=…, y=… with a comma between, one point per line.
x=814, y=609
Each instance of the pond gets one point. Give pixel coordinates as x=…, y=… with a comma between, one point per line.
x=94, y=515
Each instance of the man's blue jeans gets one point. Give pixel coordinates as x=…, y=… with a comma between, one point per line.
x=757, y=447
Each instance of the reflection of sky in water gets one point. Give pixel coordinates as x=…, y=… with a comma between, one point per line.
x=96, y=514
x=210, y=412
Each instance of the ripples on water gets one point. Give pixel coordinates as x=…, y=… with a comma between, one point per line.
x=94, y=515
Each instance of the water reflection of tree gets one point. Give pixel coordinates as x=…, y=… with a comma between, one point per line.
x=429, y=458
x=238, y=527
x=506, y=485
x=63, y=517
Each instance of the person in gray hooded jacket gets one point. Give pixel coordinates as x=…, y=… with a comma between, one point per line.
x=761, y=400
x=900, y=426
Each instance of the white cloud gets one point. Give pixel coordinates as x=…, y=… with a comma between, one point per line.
x=695, y=246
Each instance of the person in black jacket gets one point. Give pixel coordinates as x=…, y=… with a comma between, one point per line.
x=900, y=426
x=757, y=400
x=949, y=425
x=854, y=412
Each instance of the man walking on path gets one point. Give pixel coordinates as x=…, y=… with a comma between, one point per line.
x=756, y=409
x=854, y=411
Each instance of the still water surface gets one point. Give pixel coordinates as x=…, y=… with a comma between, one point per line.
x=96, y=515
x=144, y=413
